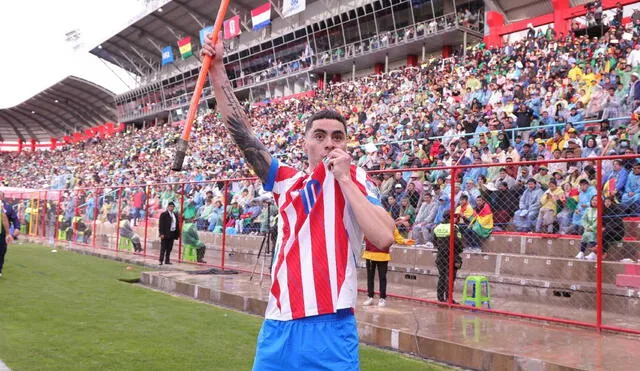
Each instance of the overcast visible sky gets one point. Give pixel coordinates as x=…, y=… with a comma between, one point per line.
x=36, y=55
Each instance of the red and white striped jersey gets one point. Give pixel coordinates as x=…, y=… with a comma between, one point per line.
x=318, y=245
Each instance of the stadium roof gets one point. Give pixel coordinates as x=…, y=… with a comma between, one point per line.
x=68, y=106
x=137, y=48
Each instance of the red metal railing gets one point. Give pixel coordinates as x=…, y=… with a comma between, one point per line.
x=104, y=233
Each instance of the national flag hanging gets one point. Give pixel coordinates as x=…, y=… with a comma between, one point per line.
x=291, y=7
x=203, y=34
x=232, y=27
x=167, y=55
x=185, y=47
x=261, y=16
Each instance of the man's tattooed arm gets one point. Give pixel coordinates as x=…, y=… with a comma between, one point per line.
x=254, y=151
x=237, y=123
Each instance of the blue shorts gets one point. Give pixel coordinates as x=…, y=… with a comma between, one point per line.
x=325, y=342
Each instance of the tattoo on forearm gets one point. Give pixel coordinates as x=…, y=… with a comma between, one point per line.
x=233, y=104
x=236, y=121
x=254, y=151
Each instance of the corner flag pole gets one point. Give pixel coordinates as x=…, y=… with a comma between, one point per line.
x=183, y=142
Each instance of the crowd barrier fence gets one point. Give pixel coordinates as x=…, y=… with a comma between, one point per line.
x=529, y=259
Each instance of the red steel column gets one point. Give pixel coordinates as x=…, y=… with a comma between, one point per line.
x=452, y=235
x=560, y=15
x=224, y=222
x=599, y=248
x=446, y=51
x=146, y=222
x=495, y=21
x=180, y=224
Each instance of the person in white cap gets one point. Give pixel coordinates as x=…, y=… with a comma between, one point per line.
x=634, y=91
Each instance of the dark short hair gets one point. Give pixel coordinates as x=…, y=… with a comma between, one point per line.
x=326, y=114
x=446, y=217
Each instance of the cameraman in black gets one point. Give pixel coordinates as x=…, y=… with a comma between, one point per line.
x=441, y=242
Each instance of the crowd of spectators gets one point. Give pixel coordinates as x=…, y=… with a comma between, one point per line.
x=529, y=100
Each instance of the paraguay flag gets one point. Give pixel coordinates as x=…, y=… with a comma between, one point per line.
x=261, y=16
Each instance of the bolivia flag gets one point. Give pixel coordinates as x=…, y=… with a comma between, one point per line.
x=572, y=200
x=483, y=222
x=609, y=187
x=185, y=47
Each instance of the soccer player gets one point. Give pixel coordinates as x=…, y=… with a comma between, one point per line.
x=324, y=213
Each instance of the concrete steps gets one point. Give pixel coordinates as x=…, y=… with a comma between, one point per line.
x=420, y=281
x=563, y=247
x=531, y=269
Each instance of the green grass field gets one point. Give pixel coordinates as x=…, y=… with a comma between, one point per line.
x=65, y=311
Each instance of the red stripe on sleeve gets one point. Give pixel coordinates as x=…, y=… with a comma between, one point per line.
x=285, y=172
